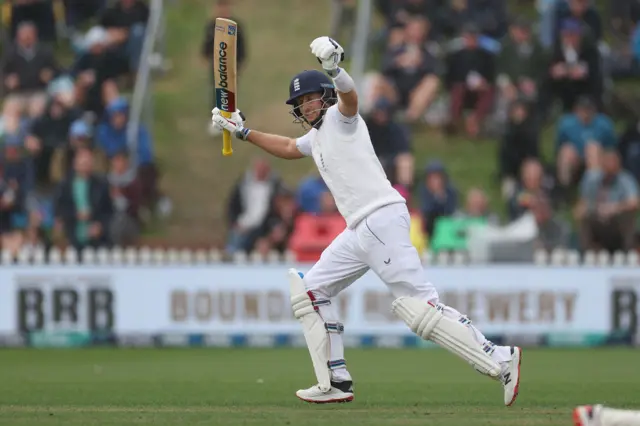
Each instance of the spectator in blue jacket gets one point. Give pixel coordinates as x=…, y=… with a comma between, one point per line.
x=112, y=133
x=112, y=139
x=438, y=197
x=581, y=137
x=310, y=193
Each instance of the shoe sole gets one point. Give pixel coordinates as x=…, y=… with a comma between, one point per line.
x=517, y=388
x=328, y=401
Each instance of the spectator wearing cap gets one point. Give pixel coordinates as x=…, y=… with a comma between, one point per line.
x=410, y=75
x=81, y=136
x=574, y=68
x=581, y=137
x=27, y=68
x=112, y=133
x=391, y=143
x=470, y=79
x=125, y=22
x=96, y=70
x=520, y=64
x=608, y=207
x=438, y=196
x=583, y=12
x=83, y=206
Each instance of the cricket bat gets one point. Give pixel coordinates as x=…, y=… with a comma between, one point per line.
x=224, y=67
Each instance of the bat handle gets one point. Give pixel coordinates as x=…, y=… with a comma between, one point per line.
x=226, y=138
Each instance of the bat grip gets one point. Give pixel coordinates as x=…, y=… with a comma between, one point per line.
x=226, y=137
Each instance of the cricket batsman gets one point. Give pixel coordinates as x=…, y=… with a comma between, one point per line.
x=376, y=236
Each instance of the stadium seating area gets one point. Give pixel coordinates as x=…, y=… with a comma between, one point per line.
x=475, y=71
x=68, y=175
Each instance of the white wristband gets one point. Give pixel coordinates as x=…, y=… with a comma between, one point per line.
x=343, y=81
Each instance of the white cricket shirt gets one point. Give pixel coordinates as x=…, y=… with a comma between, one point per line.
x=343, y=152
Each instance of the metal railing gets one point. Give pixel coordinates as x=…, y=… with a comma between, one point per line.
x=142, y=99
x=361, y=42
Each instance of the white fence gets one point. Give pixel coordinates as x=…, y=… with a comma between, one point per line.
x=159, y=256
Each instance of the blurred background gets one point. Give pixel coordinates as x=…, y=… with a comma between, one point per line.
x=512, y=128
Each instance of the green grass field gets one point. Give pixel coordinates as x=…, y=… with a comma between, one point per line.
x=256, y=387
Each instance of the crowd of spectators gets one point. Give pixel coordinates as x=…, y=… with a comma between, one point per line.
x=67, y=173
x=492, y=75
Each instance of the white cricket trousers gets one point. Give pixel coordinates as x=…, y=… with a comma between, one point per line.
x=380, y=242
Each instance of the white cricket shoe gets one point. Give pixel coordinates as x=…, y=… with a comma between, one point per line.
x=586, y=415
x=339, y=392
x=510, y=376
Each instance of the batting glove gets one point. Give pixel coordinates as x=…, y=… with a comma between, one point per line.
x=329, y=54
x=235, y=124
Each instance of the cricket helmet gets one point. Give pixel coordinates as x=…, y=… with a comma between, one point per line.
x=306, y=82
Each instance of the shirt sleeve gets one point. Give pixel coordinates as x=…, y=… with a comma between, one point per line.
x=345, y=125
x=303, y=143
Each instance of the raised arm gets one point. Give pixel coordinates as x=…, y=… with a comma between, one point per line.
x=279, y=146
x=330, y=54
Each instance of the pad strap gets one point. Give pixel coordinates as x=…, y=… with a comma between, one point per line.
x=334, y=327
x=321, y=302
x=489, y=347
x=336, y=363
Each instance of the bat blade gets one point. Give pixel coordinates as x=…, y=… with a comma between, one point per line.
x=225, y=72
